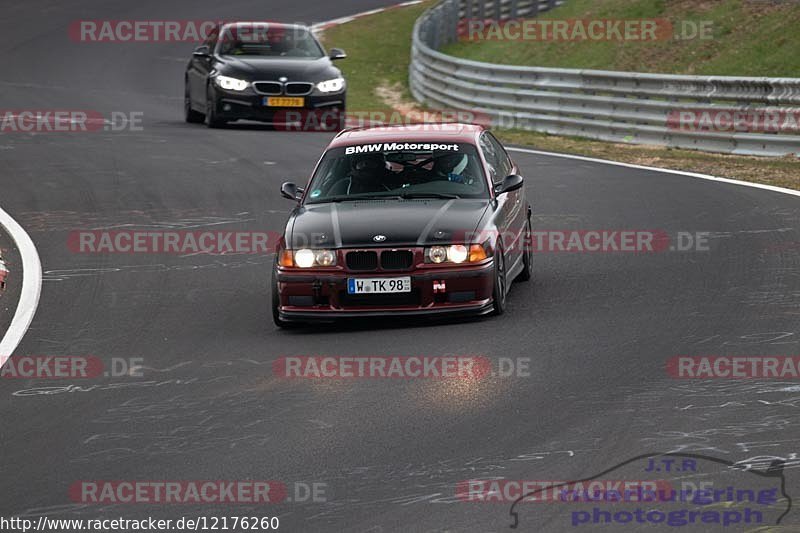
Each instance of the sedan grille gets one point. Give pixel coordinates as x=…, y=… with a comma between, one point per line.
x=268, y=87
x=397, y=259
x=299, y=88
x=362, y=260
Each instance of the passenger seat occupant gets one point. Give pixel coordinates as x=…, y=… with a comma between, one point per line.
x=450, y=166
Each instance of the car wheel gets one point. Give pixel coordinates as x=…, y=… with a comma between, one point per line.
x=191, y=116
x=500, y=282
x=212, y=121
x=527, y=254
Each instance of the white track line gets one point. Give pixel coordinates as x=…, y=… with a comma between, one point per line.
x=31, y=287
x=656, y=169
x=322, y=26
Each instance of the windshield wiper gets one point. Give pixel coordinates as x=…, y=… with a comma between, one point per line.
x=413, y=195
x=343, y=198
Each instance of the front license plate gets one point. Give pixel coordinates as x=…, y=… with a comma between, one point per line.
x=378, y=285
x=282, y=101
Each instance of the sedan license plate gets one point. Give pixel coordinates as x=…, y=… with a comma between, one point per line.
x=283, y=101
x=378, y=285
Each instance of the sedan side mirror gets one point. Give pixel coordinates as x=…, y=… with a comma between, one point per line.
x=511, y=183
x=202, y=51
x=291, y=191
x=337, y=53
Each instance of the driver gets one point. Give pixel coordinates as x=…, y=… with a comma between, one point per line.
x=368, y=173
x=450, y=167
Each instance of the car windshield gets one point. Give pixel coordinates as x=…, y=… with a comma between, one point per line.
x=398, y=170
x=264, y=40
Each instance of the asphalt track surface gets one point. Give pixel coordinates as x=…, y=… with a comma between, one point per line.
x=596, y=327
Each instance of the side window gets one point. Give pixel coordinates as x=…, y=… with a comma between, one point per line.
x=504, y=162
x=490, y=153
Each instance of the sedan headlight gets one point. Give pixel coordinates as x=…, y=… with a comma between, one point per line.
x=231, y=84
x=306, y=258
x=456, y=253
x=331, y=86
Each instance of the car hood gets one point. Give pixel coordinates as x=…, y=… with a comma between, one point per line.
x=402, y=222
x=258, y=68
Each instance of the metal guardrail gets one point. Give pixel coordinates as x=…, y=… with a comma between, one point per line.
x=627, y=107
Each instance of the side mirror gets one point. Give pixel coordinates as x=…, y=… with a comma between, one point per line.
x=511, y=183
x=202, y=51
x=337, y=53
x=291, y=191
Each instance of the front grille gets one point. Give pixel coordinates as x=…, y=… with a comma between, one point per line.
x=379, y=300
x=299, y=88
x=397, y=259
x=268, y=87
x=362, y=260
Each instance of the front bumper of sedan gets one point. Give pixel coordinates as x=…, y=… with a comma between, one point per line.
x=322, y=294
x=319, y=110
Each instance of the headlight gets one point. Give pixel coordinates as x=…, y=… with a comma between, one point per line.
x=331, y=86
x=305, y=258
x=325, y=258
x=231, y=84
x=456, y=253
x=437, y=254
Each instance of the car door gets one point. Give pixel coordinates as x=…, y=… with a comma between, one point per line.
x=199, y=69
x=511, y=205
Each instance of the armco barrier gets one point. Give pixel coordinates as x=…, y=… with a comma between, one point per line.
x=625, y=107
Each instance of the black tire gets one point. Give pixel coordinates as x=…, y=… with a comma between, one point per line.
x=527, y=254
x=500, y=283
x=190, y=115
x=212, y=120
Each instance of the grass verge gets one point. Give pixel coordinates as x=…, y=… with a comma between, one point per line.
x=739, y=37
x=379, y=48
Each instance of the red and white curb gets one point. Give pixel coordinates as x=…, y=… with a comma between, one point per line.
x=322, y=26
x=31, y=286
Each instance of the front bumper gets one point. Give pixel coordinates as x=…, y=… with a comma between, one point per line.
x=249, y=105
x=322, y=295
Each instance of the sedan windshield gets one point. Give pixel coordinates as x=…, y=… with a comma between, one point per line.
x=263, y=40
x=399, y=170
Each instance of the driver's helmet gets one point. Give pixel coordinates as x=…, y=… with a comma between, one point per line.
x=367, y=173
x=368, y=166
x=447, y=164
